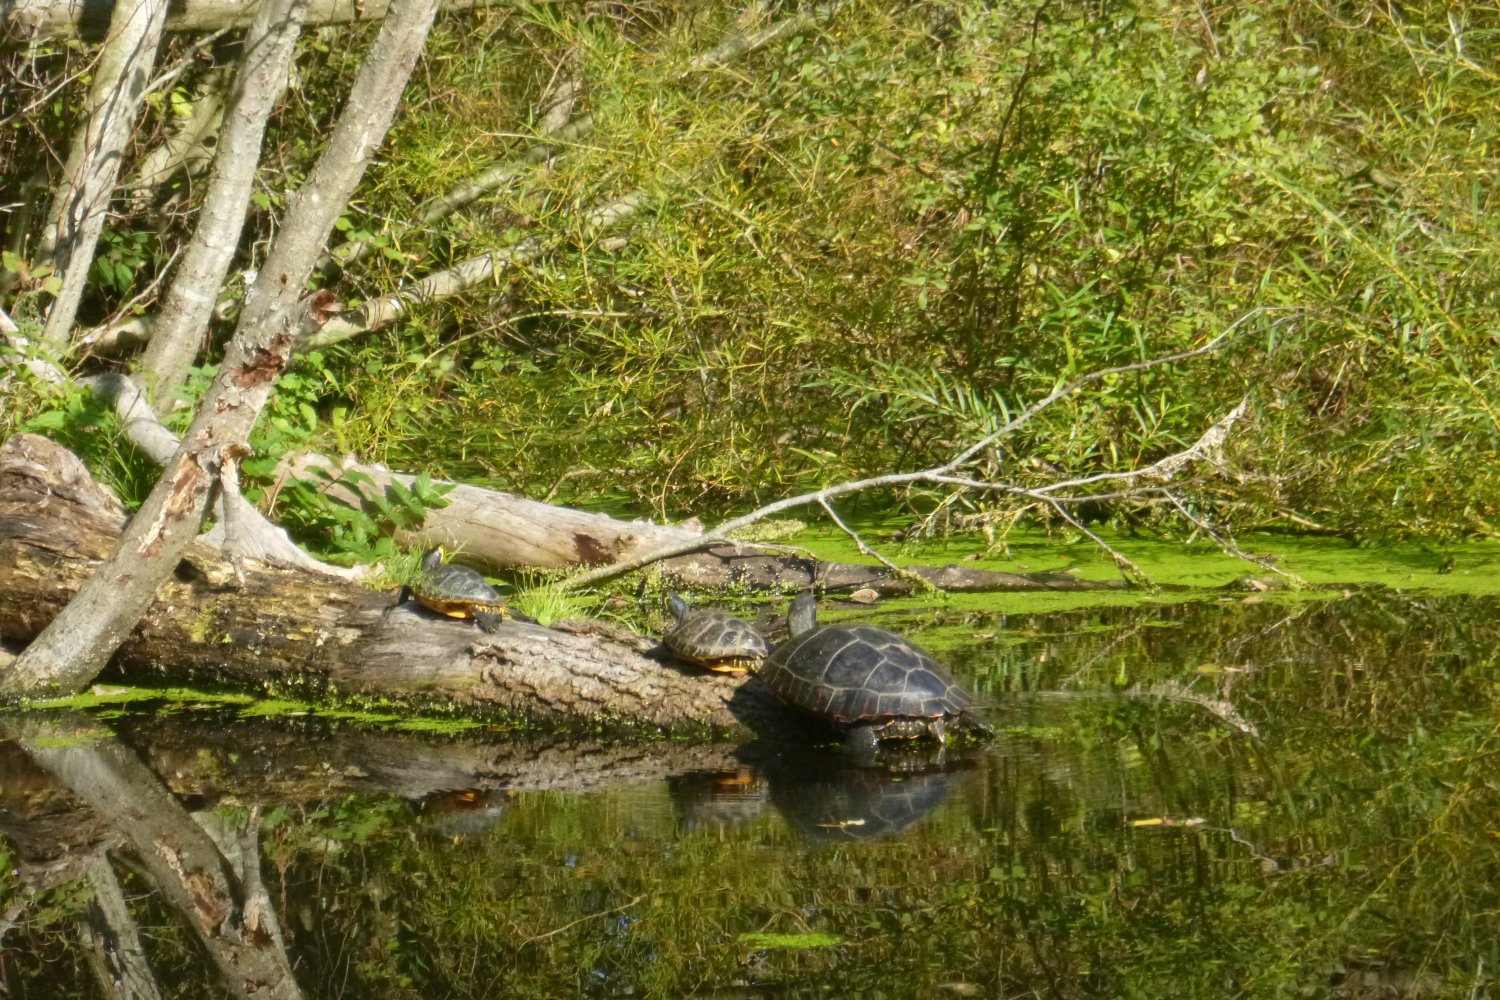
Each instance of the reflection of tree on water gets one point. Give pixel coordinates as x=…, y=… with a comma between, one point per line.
x=210, y=878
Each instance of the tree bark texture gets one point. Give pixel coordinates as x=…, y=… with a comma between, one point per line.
x=254, y=627
x=189, y=302
x=82, y=196
x=114, y=940
x=29, y=21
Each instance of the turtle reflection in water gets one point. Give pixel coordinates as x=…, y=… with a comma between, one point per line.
x=717, y=800
x=455, y=591
x=712, y=639
x=856, y=803
x=871, y=684
x=467, y=813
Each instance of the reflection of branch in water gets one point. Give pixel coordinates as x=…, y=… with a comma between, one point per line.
x=1219, y=707
x=1117, y=637
x=1171, y=691
x=181, y=859
x=37, y=879
x=115, y=952
x=591, y=916
x=1268, y=862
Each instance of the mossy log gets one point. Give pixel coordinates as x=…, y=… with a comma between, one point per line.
x=260, y=627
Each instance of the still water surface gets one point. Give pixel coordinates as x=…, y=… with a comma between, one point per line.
x=1208, y=799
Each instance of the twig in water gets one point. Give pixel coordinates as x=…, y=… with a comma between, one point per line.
x=1127, y=569
x=865, y=550
x=589, y=916
x=1228, y=545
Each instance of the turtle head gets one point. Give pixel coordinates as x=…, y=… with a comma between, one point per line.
x=803, y=614
x=676, y=606
x=432, y=559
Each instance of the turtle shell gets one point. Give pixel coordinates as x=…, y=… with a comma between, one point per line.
x=860, y=675
x=713, y=639
x=456, y=584
x=457, y=592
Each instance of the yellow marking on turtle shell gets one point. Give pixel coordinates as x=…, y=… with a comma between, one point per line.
x=732, y=664
x=460, y=608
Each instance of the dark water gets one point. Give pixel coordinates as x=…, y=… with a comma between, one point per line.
x=1221, y=799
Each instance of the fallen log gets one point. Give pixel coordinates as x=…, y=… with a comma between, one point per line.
x=502, y=532
x=253, y=626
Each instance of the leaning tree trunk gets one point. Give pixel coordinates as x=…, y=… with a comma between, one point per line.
x=27, y=22
x=188, y=306
x=82, y=196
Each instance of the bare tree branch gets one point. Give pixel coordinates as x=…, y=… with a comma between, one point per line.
x=82, y=198
x=185, y=148
x=944, y=474
x=189, y=303
x=376, y=313
x=868, y=551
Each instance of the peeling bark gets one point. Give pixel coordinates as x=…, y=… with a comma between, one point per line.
x=80, y=640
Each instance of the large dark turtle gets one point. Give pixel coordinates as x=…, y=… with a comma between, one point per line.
x=713, y=639
x=455, y=591
x=867, y=682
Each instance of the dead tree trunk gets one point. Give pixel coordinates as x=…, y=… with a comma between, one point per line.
x=30, y=21
x=189, y=302
x=82, y=637
x=82, y=197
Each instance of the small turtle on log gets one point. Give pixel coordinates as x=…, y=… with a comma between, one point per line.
x=455, y=591
x=712, y=639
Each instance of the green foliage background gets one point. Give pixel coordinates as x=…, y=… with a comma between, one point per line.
x=873, y=241
x=870, y=241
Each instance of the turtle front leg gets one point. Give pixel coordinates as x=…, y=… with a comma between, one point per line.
x=488, y=621
x=402, y=596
